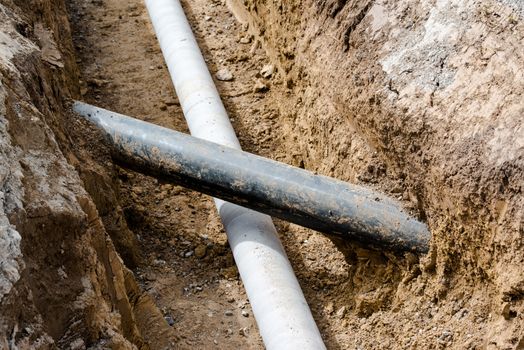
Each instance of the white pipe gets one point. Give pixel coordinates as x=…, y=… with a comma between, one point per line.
x=280, y=309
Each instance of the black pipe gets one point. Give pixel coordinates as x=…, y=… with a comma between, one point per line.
x=296, y=195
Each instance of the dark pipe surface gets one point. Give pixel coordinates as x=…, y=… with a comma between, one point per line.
x=296, y=195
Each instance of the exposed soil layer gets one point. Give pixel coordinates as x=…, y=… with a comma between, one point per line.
x=420, y=100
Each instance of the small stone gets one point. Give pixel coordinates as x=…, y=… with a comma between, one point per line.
x=137, y=190
x=341, y=312
x=260, y=86
x=163, y=107
x=245, y=40
x=230, y=299
x=329, y=308
x=267, y=71
x=159, y=262
x=207, y=18
x=244, y=331
x=245, y=313
x=78, y=344
x=171, y=102
x=200, y=251
x=228, y=313
x=241, y=57
x=445, y=337
x=169, y=319
x=215, y=341
x=506, y=312
x=97, y=82
x=229, y=272
x=188, y=254
x=224, y=75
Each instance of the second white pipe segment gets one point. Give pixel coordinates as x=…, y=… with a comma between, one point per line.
x=280, y=309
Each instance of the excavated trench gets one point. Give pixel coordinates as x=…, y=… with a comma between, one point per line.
x=419, y=100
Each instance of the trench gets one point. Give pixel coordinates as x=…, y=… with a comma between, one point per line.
x=178, y=250
x=187, y=266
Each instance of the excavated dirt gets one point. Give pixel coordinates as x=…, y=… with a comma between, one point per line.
x=420, y=100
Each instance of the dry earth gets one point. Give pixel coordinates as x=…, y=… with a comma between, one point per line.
x=419, y=99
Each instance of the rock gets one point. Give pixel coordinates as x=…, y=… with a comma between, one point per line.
x=244, y=331
x=267, y=71
x=228, y=313
x=224, y=75
x=97, y=82
x=171, y=102
x=188, y=254
x=200, y=251
x=446, y=337
x=169, y=319
x=207, y=18
x=159, y=262
x=241, y=57
x=78, y=344
x=245, y=313
x=229, y=272
x=506, y=311
x=329, y=308
x=260, y=86
x=245, y=40
x=341, y=312
x=138, y=190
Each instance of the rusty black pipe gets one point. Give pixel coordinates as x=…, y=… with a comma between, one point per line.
x=292, y=194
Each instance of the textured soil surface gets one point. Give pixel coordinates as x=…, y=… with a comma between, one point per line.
x=421, y=100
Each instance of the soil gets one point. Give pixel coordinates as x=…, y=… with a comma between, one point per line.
x=419, y=100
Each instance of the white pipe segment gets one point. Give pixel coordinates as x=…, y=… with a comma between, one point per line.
x=280, y=309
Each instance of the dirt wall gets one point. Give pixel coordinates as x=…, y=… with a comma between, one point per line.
x=62, y=282
x=422, y=100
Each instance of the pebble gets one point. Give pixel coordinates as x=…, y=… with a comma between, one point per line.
x=159, y=262
x=200, y=251
x=341, y=312
x=229, y=272
x=267, y=71
x=171, y=102
x=506, y=311
x=207, y=18
x=245, y=40
x=245, y=313
x=228, y=313
x=260, y=86
x=224, y=75
x=188, y=254
x=170, y=321
x=244, y=331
